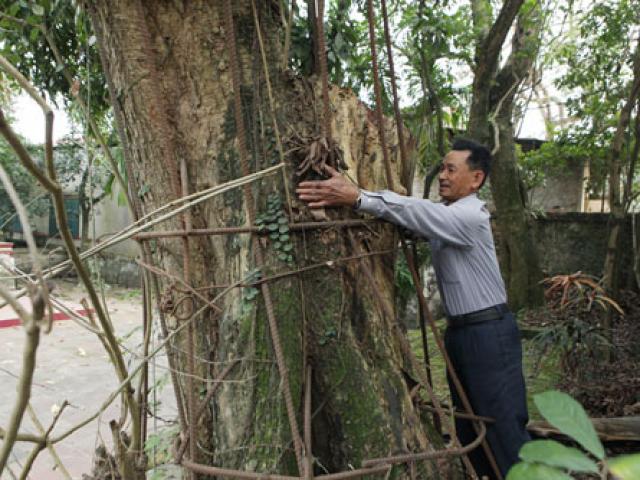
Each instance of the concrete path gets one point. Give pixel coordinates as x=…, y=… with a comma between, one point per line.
x=72, y=365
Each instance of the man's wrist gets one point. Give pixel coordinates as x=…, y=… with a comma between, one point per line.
x=358, y=202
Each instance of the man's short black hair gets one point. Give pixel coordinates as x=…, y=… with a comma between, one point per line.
x=480, y=158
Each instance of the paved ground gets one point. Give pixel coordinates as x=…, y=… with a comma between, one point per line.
x=72, y=366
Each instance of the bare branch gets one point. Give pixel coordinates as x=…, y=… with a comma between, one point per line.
x=32, y=339
x=46, y=433
x=139, y=225
x=49, y=182
x=44, y=443
x=287, y=35
x=31, y=243
x=13, y=140
x=493, y=116
x=519, y=64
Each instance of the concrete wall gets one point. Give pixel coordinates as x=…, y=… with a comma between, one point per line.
x=572, y=242
x=562, y=193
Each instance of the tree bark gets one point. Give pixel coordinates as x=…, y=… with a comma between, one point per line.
x=168, y=64
x=616, y=200
x=612, y=429
x=492, y=105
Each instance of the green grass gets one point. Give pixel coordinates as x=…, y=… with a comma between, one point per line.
x=537, y=380
x=438, y=374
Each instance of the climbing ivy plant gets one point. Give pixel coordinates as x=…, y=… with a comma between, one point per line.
x=275, y=224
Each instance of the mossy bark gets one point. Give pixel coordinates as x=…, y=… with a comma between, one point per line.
x=168, y=65
x=517, y=253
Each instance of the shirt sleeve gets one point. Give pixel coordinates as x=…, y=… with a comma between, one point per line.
x=452, y=224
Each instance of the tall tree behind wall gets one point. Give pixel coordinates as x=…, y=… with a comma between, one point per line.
x=600, y=83
x=490, y=121
x=620, y=201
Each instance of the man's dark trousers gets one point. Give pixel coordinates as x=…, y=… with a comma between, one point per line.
x=487, y=357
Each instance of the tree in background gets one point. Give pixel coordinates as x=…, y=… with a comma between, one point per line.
x=82, y=171
x=27, y=187
x=495, y=88
x=598, y=58
x=604, y=81
x=435, y=43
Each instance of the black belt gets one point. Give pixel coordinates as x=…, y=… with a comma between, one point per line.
x=492, y=313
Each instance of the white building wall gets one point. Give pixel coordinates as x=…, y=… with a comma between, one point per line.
x=110, y=218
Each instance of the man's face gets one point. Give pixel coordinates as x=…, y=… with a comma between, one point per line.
x=456, y=179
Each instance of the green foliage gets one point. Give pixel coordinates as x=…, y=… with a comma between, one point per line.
x=597, y=62
x=554, y=157
x=555, y=454
x=549, y=459
x=435, y=43
x=27, y=48
x=535, y=471
x=574, y=329
x=346, y=37
x=626, y=466
x=348, y=59
x=546, y=162
x=70, y=160
x=250, y=293
x=30, y=193
x=568, y=416
x=158, y=445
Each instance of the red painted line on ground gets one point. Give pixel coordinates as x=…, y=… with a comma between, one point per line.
x=57, y=316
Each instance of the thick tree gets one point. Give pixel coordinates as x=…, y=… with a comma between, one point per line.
x=169, y=70
x=490, y=121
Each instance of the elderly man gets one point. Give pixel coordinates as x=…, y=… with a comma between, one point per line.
x=482, y=336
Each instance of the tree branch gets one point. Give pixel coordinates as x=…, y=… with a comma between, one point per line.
x=628, y=188
x=44, y=443
x=32, y=340
x=31, y=244
x=518, y=66
x=13, y=140
x=487, y=61
x=140, y=225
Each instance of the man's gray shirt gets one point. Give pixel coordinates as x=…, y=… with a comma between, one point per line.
x=463, y=252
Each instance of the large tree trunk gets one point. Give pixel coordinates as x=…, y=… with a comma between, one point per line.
x=169, y=67
x=517, y=252
x=491, y=110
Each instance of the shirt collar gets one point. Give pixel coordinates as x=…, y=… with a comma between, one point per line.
x=468, y=198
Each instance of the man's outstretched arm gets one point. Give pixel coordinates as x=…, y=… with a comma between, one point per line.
x=427, y=219
x=334, y=192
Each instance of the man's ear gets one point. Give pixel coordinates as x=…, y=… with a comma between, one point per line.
x=478, y=178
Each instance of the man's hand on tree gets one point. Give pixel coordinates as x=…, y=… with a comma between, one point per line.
x=334, y=192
